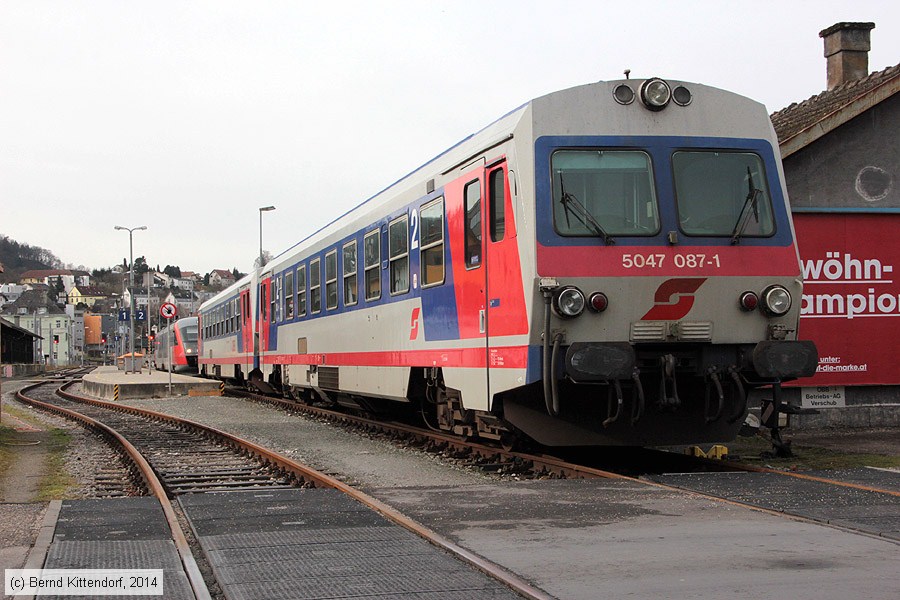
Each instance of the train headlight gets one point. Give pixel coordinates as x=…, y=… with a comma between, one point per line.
x=655, y=94
x=569, y=302
x=776, y=300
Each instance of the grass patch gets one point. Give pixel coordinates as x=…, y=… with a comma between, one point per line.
x=56, y=481
x=6, y=456
x=756, y=450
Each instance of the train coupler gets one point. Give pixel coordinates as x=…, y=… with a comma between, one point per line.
x=668, y=387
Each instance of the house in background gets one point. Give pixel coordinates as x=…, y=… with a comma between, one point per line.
x=841, y=164
x=221, y=278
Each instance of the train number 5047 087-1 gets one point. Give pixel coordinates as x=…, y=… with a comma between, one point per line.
x=681, y=261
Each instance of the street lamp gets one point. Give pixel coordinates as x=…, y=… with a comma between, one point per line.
x=261, y=211
x=131, y=231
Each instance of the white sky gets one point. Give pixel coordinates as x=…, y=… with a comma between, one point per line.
x=187, y=116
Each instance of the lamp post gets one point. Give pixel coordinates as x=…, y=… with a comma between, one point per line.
x=261, y=211
x=131, y=231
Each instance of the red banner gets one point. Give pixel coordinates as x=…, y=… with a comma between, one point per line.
x=851, y=298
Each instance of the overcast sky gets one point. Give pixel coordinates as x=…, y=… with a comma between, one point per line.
x=189, y=116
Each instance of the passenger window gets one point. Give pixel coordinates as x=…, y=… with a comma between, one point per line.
x=263, y=305
x=372, y=249
x=497, y=191
x=398, y=254
x=273, y=297
x=431, y=243
x=301, y=291
x=315, y=286
x=331, y=291
x=289, y=296
x=279, y=301
x=473, y=224
x=350, y=274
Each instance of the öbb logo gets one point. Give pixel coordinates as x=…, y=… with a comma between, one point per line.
x=673, y=299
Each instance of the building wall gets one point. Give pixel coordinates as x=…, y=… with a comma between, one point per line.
x=856, y=166
x=844, y=193
x=47, y=326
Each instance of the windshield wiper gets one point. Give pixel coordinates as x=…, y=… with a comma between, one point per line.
x=752, y=202
x=574, y=207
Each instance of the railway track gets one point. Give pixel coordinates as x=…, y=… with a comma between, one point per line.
x=763, y=489
x=503, y=460
x=175, y=456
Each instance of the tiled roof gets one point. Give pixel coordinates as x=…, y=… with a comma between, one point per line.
x=820, y=114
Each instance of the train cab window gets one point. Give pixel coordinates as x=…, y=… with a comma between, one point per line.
x=722, y=194
x=473, y=224
x=497, y=204
x=603, y=192
x=372, y=249
x=315, y=286
x=398, y=254
x=431, y=243
x=331, y=291
x=301, y=291
x=351, y=292
x=289, y=296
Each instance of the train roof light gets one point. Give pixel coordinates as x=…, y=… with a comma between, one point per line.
x=682, y=96
x=623, y=94
x=655, y=94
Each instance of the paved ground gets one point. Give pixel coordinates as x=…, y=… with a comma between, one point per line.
x=575, y=539
x=584, y=539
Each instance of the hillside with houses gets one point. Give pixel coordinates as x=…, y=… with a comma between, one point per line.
x=73, y=315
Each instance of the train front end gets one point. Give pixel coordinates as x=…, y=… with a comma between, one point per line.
x=667, y=279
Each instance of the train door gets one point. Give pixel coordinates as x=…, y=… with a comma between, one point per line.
x=265, y=318
x=246, y=339
x=489, y=285
x=504, y=297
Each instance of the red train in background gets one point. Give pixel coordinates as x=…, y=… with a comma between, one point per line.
x=177, y=345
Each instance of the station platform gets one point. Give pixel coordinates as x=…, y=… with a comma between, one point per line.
x=109, y=383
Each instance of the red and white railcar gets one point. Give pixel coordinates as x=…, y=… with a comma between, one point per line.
x=609, y=264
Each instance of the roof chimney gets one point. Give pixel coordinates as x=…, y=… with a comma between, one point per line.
x=847, y=50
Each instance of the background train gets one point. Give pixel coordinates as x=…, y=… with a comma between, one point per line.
x=178, y=343
x=611, y=264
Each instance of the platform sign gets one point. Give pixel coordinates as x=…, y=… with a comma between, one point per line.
x=168, y=310
x=124, y=314
x=140, y=314
x=823, y=396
